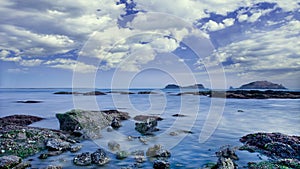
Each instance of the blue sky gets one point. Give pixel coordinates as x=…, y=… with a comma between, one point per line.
x=149, y=43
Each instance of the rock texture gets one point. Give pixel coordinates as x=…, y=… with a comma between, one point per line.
x=262, y=85
x=19, y=120
x=89, y=123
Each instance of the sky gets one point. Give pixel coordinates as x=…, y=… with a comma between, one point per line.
x=148, y=43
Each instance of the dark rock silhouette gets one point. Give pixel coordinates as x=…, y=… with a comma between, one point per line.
x=262, y=85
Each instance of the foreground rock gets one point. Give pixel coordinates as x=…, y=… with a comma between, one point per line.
x=272, y=144
x=16, y=138
x=88, y=124
x=146, y=127
x=256, y=94
x=158, y=151
x=283, y=163
x=9, y=161
x=226, y=158
x=160, y=164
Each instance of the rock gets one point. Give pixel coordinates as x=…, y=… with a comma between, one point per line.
x=146, y=128
x=9, y=161
x=43, y=156
x=88, y=123
x=53, y=167
x=99, y=157
x=273, y=144
x=29, y=101
x=109, y=129
x=240, y=111
x=83, y=159
x=172, y=86
x=113, y=145
x=158, y=151
x=23, y=165
x=75, y=148
x=262, y=85
x=160, y=164
x=19, y=120
x=54, y=153
x=147, y=92
x=94, y=93
x=139, y=156
x=226, y=157
x=54, y=144
x=178, y=115
x=284, y=163
x=144, y=118
x=121, y=155
x=195, y=86
x=115, y=123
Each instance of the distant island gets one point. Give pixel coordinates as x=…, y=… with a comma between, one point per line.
x=195, y=86
x=262, y=85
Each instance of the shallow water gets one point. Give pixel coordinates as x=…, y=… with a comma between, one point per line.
x=271, y=115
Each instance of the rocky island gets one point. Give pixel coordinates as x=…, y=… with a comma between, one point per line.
x=195, y=86
x=262, y=85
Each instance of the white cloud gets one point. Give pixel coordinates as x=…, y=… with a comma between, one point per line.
x=263, y=51
x=228, y=22
x=242, y=18
x=32, y=62
x=72, y=65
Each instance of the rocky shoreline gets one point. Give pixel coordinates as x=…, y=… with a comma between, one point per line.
x=19, y=141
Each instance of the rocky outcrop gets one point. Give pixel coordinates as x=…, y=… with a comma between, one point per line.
x=19, y=120
x=9, y=161
x=146, y=117
x=98, y=157
x=88, y=124
x=226, y=158
x=172, y=86
x=256, y=94
x=158, y=151
x=146, y=127
x=272, y=144
x=28, y=101
x=92, y=93
x=262, y=85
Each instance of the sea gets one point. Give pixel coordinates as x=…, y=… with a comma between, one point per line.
x=208, y=123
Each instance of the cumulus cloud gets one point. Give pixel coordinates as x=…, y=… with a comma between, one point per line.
x=262, y=51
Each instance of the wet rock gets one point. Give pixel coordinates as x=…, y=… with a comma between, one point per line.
x=54, y=144
x=53, y=167
x=121, y=155
x=28, y=101
x=158, y=151
x=75, y=148
x=226, y=157
x=272, y=144
x=64, y=92
x=19, y=120
x=109, y=129
x=43, y=156
x=88, y=123
x=146, y=117
x=115, y=123
x=9, y=161
x=284, y=163
x=99, y=157
x=54, y=153
x=22, y=165
x=139, y=156
x=83, y=159
x=160, y=164
x=113, y=145
x=146, y=128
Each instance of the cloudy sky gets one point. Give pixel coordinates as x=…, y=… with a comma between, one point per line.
x=149, y=43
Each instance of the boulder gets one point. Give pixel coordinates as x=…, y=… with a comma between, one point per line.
x=83, y=159
x=9, y=161
x=226, y=157
x=115, y=123
x=158, y=151
x=19, y=120
x=146, y=128
x=99, y=157
x=55, y=144
x=160, y=164
x=88, y=123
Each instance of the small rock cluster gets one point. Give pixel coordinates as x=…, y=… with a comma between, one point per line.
x=98, y=157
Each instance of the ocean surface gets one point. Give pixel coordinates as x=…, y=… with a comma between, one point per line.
x=214, y=122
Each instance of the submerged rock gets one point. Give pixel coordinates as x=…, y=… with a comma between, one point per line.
x=88, y=123
x=9, y=161
x=99, y=157
x=75, y=148
x=83, y=159
x=121, y=155
x=113, y=145
x=160, y=164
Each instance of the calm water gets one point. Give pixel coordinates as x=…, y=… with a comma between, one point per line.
x=228, y=125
